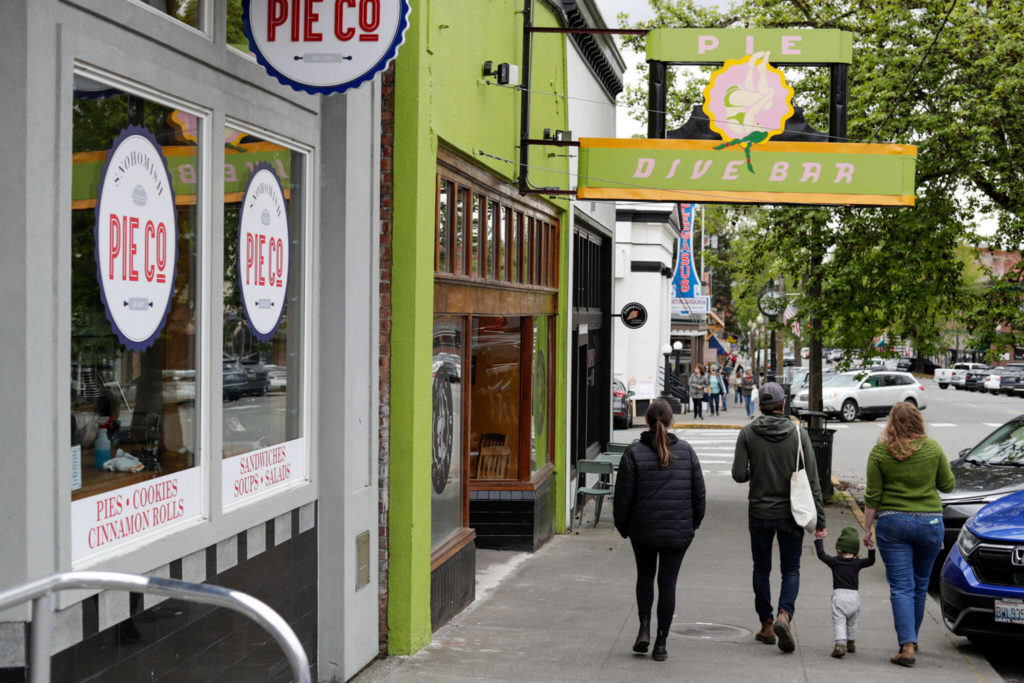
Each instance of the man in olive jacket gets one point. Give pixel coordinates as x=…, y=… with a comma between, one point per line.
x=766, y=453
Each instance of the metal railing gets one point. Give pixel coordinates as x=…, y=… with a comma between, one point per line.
x=41, y=591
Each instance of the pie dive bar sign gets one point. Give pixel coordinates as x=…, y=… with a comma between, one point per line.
x=786, y=172
x=715, y=46
x=325, y=46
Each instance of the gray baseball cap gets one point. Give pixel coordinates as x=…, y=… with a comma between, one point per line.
x=771, y=392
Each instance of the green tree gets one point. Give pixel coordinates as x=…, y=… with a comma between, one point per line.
x=945, y=76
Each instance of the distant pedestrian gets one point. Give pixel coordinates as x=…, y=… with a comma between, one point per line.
x=845, y=568
x=738, y=383
x=714, y=390
x=723, y=377
x=904, y=470
x=766, y=455
x=659, y=504
x=698, y=385
x=747, y=387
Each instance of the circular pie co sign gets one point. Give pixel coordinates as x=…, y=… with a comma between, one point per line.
x=263, y=252
x=325, y=47
x=136, y=238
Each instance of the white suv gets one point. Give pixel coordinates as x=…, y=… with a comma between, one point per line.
x=866, y=394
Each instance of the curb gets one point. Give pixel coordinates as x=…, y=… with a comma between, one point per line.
x=701, y=425
x=850, y=502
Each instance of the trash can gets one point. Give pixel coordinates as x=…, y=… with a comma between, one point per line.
x=821, y=440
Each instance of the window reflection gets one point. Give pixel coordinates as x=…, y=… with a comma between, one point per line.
x=446, y=435
x=262, y=377
x=138, y=404
x=495, y=381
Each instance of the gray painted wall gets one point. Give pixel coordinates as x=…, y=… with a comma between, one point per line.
x=45, y=41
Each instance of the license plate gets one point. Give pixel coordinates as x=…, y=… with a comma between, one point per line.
x=1009, y=611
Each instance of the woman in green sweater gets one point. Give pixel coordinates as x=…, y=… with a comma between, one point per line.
x=904, y=471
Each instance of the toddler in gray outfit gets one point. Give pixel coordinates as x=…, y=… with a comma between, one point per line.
x=846, y=568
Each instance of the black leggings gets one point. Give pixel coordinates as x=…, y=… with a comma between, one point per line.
x=698, y=404
x=647, y=565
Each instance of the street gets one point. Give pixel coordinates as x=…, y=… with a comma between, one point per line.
x=956, y=419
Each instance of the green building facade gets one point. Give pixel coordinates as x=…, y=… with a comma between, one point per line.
x=479, y=299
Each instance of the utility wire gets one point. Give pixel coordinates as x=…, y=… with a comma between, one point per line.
x=917, y=69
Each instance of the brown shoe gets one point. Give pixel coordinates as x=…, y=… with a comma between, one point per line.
x=766, y=635
x=839, y=650
x=784, y=631
x=905, y=657
x=851, y=646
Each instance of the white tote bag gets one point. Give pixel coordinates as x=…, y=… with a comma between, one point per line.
x=801, y=498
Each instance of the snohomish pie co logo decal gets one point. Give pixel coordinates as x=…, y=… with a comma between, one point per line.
x=136, y=238
x=444, y=428
x=748, y=102
x=263, y=252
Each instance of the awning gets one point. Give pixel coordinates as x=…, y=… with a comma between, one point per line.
x=715, y=344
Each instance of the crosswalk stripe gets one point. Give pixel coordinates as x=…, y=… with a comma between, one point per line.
x=941, y=424
x=992, y=424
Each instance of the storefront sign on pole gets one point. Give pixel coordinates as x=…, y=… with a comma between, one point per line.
x=136, y=238
x=685, y=283
x=786, y=172
x=263, y=247
x=633, y=315
x=325, y=47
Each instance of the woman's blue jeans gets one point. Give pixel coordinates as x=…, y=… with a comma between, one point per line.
x=908, y=545
x=749, y=400
x=762, y=536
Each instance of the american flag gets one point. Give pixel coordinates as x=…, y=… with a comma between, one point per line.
x=790, y=314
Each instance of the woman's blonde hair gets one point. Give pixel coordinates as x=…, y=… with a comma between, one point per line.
x=905, y=426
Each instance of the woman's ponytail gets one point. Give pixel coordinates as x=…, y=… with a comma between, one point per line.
x=659, y=417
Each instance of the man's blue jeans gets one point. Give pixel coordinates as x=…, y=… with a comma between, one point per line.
x=908, y=545
x=762, y=535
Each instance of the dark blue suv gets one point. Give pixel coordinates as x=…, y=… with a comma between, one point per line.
x=982, y=582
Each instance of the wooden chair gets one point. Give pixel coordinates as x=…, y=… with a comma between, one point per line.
x=601, y=488
x=493, y=462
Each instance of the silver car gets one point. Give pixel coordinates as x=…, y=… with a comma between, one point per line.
x=865, y=394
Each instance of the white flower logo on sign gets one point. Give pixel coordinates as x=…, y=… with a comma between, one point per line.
x=325, y=47
x=263, y=252
x=136, y=238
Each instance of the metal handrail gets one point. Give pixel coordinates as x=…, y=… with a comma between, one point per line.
x=40, y=592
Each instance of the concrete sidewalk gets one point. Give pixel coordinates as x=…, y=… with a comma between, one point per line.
x=568, y=613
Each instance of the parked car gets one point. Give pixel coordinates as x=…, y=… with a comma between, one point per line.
x=981, y=588
x=835, y=355
x=1001, y=380
x=955, y=376
x=992, y=469
x=233, y=378
x=257, y=383
x=974, y=378
x=622, y=405
x=865, y=394
x=277, y=378
x=910, y=364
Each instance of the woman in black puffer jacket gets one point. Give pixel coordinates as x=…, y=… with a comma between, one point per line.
x=659, y=503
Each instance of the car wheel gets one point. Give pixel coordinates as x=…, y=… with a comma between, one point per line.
x=942, y=386
x=848, y=413
x=912, y=401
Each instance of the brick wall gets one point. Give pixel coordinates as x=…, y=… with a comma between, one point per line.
x=384, y=415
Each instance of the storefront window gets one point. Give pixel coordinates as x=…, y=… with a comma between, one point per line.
x=135, y=236
x=494, y=380
x=447, y=433
x=444, y=215
x=262, y=353
x=540, y=424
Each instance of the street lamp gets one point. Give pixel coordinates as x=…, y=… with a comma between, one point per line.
x=666, y=351
x=772, y=303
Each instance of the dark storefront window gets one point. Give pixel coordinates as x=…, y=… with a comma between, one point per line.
x=447, y=433
x=540, y=400
x=495, y=367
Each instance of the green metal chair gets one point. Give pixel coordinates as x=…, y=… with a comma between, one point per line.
x=602, y=487
x=614, y=447
x=610, y=456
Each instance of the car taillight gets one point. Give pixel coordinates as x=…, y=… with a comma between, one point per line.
x=619, y=394
x=921, y=387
